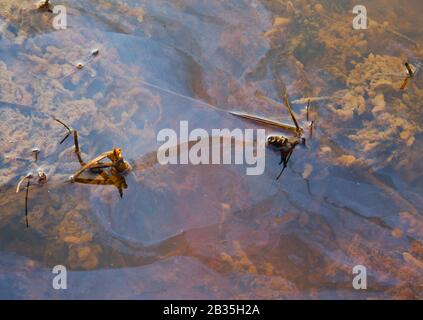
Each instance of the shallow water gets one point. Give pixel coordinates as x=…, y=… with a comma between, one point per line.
x=353, y=196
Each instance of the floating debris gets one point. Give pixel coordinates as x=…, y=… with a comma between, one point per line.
x=35, y=152
x=81, y=64
x=118, y=166
x=411, y=71
x=28, y=177
x=95, y=52
x=42, y=177
x=26, y=201
x=75, y=138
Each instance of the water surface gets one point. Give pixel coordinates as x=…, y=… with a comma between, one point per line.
x=353, y=196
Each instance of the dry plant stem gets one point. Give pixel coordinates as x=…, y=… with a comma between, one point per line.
x=311, y=129
x=409, y=76
x=101, y=165
x=94, y=181
x=308, y=117
x=288, y=105
x=20, y=183
x=93, y=164
x=77, y=150
x=66, y=127
x=405, y=83
x=75, y=140
x=410, y=71
x=26, y=202
x=269, y=122
x=308, y=109
x=90, y=165
x=277, y=105
x=66, y=136
x=63, y=124
x=119, y=183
